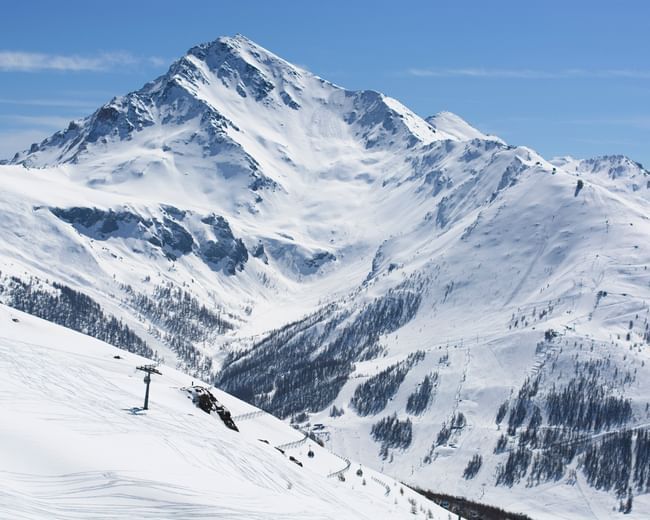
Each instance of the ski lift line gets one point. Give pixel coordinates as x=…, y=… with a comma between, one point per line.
x=249, y=415
x=293, y=444
x=148, y=369
x=341, y=471
x=258, y=413
x=587, y=439
x=381, y=483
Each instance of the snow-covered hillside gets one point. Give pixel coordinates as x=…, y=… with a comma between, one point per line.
x=617, y=172
x=76, y=444
x=454, y=311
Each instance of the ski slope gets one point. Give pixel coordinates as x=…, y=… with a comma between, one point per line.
x=74, y=444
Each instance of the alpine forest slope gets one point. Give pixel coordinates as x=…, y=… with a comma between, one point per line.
x=451, y=310
x=76, y=444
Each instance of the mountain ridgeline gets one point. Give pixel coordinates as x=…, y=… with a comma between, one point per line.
x=420, y=296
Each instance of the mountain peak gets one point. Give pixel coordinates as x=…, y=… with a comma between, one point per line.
x=618, y=173
x=612, y=165
x=455, y=126
x=233, y=48
x=225, y=94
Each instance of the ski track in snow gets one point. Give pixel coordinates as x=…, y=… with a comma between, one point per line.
x=68, y=403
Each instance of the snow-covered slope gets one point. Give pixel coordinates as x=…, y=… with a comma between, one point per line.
x=616, y=172
x=445, y=306
x=456, y=127
x=75, y=444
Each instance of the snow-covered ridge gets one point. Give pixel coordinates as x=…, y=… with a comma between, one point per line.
x=452, y=125
x=616, y=172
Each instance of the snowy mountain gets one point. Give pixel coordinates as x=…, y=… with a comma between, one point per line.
x=457, y=128
x=454, y=311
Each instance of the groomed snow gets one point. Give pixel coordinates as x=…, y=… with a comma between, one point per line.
x=75, y=445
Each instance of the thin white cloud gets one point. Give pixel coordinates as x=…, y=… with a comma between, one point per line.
x=66, y=103
x=608, y=142
x=57, y=122
x=18, y=61
x=157, y=61
x=480, y=72
x=636, y=122
x=13, y=141
x=640, y=122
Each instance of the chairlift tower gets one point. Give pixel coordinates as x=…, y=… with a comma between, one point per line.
x=149, y=369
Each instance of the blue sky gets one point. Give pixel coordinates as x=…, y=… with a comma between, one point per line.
x=569, y=77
